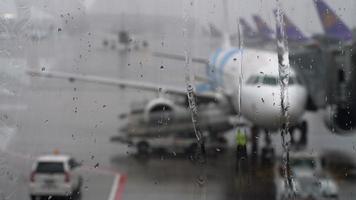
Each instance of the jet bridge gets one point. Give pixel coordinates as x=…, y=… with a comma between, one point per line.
x=329, y=71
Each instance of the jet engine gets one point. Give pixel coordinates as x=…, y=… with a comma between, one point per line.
x=160, y=111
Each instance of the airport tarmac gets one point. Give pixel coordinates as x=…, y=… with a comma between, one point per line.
x=79, y=119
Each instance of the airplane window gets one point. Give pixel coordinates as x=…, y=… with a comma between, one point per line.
x=177, y=99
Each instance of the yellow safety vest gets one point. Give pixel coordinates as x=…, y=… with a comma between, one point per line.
x=241, y=138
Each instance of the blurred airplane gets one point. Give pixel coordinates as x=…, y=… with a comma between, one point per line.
x=250, y=36
x=266, y=36
x=214, y=31
x=264, y=31
x=238, y=82
x=247, y=30
x=293, y=33
x=333, y=26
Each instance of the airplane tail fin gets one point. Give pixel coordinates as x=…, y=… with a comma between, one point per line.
x=263, y=29
x=292, y=32
x=333, y=26
x=246, y=28
x=226, y=40
x=214, y=31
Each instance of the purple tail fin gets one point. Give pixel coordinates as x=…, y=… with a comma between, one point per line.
x=246, y=29
x=292, y=32
x=263, y=28
x=332, y=24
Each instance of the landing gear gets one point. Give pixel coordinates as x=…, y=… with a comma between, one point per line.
x=267, y=152
x=191, y=150
x=33, y=197
x=254, y=145
x=300, y=140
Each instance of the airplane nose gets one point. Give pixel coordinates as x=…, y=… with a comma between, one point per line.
x=297, y=100
x=263, y=107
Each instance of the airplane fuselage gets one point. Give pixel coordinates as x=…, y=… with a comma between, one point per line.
x=251, y=79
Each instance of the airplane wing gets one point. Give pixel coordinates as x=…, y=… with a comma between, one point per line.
x=203, y=97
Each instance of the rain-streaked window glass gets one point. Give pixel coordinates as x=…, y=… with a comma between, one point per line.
x=177, y=99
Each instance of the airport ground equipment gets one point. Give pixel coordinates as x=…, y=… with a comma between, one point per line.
x=329, y=71
x=308, y=178
x=184, y=143
x=164, y=125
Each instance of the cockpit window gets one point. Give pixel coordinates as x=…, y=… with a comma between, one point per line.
x=270, y=80
x=252, y=80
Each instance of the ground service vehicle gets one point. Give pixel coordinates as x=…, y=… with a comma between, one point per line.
x=308, y=179
x=55, y=175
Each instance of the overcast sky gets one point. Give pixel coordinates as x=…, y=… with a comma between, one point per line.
x=302, y=12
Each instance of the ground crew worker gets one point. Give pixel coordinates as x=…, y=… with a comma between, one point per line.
x=241, y=150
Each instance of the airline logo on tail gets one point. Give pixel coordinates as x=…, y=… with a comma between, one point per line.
x=329, y=20
x=292, y=32
x=332, y=24
x=263, y=28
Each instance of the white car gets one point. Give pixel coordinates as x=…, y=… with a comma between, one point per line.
x=55, y=175
x=308, y=179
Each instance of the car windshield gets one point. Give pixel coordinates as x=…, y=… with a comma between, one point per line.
x=302, y=163
x=50, y=167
